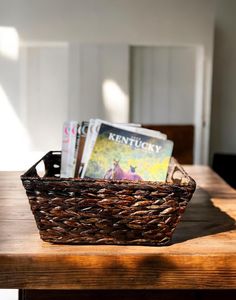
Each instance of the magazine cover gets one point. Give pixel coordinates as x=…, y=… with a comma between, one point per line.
x=93, y=130
x=123, y=154
x=70, y=140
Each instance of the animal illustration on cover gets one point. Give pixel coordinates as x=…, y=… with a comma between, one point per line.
x=134, y=156
x=116, y=172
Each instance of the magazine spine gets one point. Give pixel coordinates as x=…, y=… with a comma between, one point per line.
x=69, y=143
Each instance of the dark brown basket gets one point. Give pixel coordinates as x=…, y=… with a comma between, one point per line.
x=117, y=212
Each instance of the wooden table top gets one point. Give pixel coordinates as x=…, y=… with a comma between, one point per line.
x=202, y=255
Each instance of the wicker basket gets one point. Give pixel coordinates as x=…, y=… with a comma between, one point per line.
x=89, y=211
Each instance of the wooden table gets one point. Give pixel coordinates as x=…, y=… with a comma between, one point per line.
x=202, y=256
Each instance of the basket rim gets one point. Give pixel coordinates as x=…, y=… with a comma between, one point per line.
x=27, y=175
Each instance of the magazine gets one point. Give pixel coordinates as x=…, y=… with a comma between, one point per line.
x=93, y=130
x=70, y=142
x=83, y=129
x=89, y=135
x=121, y=153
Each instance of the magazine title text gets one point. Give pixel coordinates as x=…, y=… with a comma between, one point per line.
x=134, y=142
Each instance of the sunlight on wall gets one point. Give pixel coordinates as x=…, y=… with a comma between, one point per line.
x=9, y=42
x=116, y=102
x=15, y=143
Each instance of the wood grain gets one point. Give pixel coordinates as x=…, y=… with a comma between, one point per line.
x=202, y=256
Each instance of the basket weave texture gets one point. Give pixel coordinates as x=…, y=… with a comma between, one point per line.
x=90, y=211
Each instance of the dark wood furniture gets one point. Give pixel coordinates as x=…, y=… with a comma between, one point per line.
x=224, y=164
x=202, y=256
x=183, y=138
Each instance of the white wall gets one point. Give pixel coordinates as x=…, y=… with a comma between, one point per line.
x=125, y=21
x=166, y=88
x=33, y=98
x=53, y=82
x=129, y=22
x=91, y=68
x=13, y=132
x=223, y=127
x=46, y=100
x=163, y=85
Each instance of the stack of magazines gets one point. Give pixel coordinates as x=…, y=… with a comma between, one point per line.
x=103, y=150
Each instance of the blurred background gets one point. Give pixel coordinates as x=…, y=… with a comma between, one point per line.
x=158, y=62
x=155, y=62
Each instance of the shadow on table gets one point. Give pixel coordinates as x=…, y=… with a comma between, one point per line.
x=202, y=218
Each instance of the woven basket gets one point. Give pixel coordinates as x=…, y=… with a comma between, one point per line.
x=117, y=212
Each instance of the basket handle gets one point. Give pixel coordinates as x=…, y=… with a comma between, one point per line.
x=49, y=168
x=176, y=173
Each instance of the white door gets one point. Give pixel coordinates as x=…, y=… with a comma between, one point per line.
x=164, y=82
